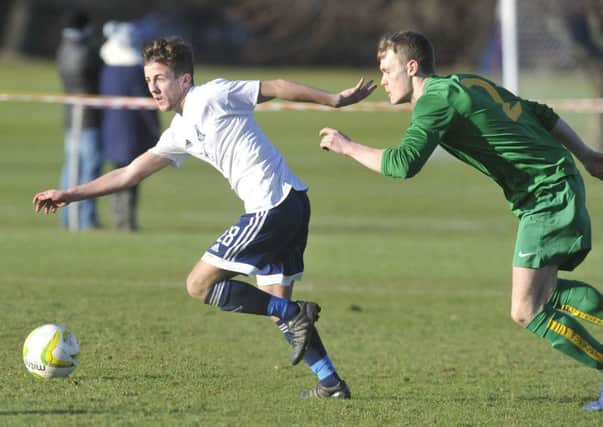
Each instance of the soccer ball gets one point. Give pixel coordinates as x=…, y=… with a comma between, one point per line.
x=51, y=351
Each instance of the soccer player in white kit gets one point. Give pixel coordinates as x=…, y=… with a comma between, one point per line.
x=214, y=123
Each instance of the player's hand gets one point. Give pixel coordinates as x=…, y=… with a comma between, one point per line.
x=355, y=94
x=333, y=140
x=49, y=201
x=594, y=164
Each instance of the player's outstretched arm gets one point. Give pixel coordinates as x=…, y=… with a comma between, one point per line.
x=591, y=159
x=334, y=140
x=118, y=179
x=297, y=92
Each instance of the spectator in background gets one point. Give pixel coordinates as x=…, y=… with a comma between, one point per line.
x=125, y=133
x=79, y=67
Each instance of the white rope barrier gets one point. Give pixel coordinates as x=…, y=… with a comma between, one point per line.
x=75, y=136
x=96, y=101
x=138, y=103
x=593, y=105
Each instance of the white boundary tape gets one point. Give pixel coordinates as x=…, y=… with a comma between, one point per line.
x=138, y=103
x=86, y=100
x=593, y=105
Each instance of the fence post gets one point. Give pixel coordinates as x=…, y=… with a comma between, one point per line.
x=77, y=119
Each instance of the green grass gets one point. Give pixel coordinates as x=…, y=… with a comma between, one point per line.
x=413, y=277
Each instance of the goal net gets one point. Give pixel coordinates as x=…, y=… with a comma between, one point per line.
x=550, y=63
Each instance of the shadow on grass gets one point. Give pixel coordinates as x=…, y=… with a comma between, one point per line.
x=52, y=412
x=571, y=400
x=121, y=377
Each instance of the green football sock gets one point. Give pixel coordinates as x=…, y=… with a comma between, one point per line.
x=579, y=299
x=568, y=336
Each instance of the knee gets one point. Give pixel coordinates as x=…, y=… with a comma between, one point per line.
x=523, y=314
x=520, y=318
x=197, y=287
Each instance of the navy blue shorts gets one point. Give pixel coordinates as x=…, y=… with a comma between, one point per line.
x=268, y=244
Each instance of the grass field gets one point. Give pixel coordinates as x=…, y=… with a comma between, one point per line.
x=413, y=278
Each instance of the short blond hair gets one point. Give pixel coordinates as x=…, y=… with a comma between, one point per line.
x=409, y=45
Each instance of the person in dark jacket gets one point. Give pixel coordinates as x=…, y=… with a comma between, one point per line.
x=125, y=133
x=79, y=66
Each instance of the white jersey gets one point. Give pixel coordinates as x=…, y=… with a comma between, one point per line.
x=217, y=126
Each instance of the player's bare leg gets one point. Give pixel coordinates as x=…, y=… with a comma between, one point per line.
x=203, y=277
x=532, y=289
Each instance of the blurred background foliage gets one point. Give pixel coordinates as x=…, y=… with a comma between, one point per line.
x=309, y=32
x=267, y=32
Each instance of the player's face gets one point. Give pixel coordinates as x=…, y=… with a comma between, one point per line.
x=167, y=90
x=395, y=79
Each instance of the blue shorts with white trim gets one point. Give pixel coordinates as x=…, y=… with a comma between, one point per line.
x=268, y=244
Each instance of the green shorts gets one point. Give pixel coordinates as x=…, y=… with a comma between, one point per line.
x=557, y=230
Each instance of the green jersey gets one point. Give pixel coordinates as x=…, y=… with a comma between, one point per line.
x=486, y=126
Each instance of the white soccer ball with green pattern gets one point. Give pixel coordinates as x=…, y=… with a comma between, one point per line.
x=51, y=351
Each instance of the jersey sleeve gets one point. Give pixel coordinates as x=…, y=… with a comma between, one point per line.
x=237, y=96
x=543, y=113
x=168, y=148
x=431, y=118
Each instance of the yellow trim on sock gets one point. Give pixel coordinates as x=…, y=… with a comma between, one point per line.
x=576, y=339
x=582, y=315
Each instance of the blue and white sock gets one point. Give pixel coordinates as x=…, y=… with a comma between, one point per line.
x=316, y=357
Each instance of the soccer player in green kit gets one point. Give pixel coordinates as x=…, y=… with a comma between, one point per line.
x=527, y=149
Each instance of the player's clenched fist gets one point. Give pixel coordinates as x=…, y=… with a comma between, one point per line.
x=49, y=201
x=333, y=140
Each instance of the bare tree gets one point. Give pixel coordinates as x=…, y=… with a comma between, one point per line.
x=458, y=29
x=335, y=32
x=326, y=31
x=338, y=32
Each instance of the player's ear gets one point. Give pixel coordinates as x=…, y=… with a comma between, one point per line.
x=412, y=67
x=186, y=79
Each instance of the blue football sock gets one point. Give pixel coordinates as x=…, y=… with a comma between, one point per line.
x=282, y=308
x=325, y=371
x=316, y=357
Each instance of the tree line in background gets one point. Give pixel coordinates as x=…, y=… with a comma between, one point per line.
x=267, y=32
x=309, y=32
